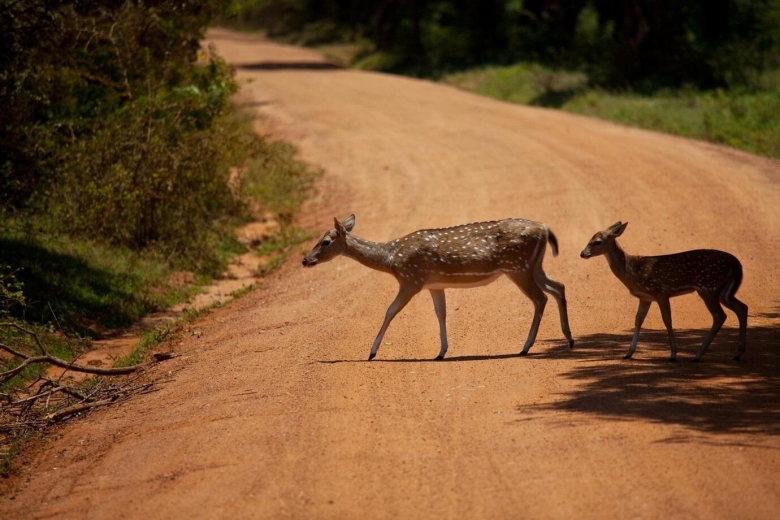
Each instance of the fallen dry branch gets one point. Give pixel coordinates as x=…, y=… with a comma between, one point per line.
x=76, y=408
x=45, y=357
x=36, y=396
x=45, y=401
x=48, y=358
x=53, y=403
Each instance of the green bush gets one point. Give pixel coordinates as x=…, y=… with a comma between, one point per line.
x=156, y=171
x=115, y=124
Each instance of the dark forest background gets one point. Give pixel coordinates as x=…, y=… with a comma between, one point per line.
x=643, y=43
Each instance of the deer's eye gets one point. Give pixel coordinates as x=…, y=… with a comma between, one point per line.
x=597, y=242
x=325, y=242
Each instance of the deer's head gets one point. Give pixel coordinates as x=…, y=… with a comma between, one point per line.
x=331, y=244
x=600, y=242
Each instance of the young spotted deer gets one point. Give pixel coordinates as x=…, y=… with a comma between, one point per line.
x=470, y=255
x=714, y=275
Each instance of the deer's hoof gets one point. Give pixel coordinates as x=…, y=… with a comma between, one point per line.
x=627, y=356
x=696, y=360
x=672, y=359
x=571, y=343
x=371, y=356
x=737, y=357
x=523, y=353
x=438, y=358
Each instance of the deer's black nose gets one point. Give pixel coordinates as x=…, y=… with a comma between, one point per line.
x=305, y=262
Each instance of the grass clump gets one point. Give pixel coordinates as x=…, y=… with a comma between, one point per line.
x=744, y=119
x=747, y=121
x=86, y=286
x=280, y=184
x=525, y=83
x=277, y=180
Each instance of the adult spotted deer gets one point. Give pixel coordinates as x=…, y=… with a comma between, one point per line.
x=470, y=255
x=714, y=275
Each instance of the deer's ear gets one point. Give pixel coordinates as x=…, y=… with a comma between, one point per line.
x=349, y=222
x=340, y=229
x=617, y=228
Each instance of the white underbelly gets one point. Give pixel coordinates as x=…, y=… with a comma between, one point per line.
x=454, y=283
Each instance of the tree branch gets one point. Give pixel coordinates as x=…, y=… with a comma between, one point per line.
x=48, y=358
x=76, y=408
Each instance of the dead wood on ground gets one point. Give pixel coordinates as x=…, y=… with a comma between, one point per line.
x=46, y=401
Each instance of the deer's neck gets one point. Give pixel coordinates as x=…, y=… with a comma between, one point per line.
x=371, y=254
x=618, y=262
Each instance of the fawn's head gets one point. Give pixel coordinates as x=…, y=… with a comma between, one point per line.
x=601, y=240
x=331, y=244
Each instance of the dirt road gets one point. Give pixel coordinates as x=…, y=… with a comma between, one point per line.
x=273, y=411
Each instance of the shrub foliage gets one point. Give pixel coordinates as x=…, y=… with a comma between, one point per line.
x=115, y=123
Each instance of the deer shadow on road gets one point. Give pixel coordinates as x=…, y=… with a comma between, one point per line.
x=717, y=395
x=448, y=359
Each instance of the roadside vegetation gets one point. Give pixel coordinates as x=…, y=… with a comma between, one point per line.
x=124, y=172
x=740, y=118
x=702, y=69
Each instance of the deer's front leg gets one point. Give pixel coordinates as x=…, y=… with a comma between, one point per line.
x=440, y=304
x=405, y=294
x=666, y=315
x=641, y=313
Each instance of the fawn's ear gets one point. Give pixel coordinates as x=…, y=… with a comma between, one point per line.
x=617, y=228
x=349, y=222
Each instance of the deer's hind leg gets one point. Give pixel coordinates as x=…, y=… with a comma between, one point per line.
x=728, y=299
x=558, y=291
x=530, y=288
x=440, y=304
x=718, y=317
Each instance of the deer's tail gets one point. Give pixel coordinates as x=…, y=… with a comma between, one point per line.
x=551, y=238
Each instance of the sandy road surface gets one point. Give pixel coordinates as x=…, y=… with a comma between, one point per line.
x=273, y=412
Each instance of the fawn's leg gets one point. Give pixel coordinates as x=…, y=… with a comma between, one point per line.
x=741, y=310
x=666, y=315
x=718, y=317
x=641, y=312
